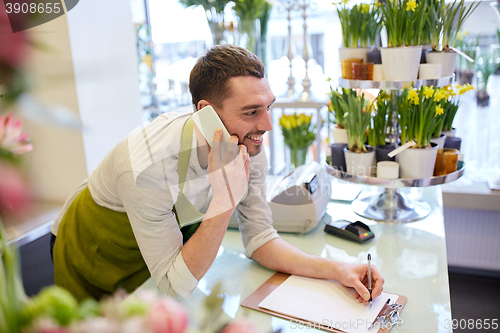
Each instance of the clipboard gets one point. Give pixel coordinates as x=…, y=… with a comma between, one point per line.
x=254, y=299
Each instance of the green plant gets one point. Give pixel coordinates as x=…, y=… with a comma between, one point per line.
x=404, y=21
x=338, y=105
x=451, y=103
x=435, y=23
x=214, y=11
x=381, y=118
x=418, y=112
x=361, y=24
x=248, y=11
x=486, y=65
x=454, y=15
x=357, y=120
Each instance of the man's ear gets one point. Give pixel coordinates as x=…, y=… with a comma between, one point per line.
x=202, y=103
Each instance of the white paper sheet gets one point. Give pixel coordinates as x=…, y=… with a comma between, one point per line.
x=324, y=303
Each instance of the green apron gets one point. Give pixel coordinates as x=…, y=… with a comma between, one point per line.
x=96, y=252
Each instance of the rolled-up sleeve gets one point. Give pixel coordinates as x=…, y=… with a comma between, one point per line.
x=158, y=236
x=253, y=212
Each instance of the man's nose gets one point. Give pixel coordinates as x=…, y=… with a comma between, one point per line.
x=265, y=123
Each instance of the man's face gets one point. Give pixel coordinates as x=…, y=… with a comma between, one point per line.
x=246, y=113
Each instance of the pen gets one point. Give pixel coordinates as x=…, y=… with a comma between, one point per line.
x=370, y=279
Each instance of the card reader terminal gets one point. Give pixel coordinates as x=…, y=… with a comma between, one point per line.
x=355, y=231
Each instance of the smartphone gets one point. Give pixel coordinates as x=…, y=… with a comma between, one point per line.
x=208, y=121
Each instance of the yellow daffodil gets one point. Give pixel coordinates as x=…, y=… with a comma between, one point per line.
x=344, y=2
x=428, y=91
x=293, y=122
x=148, y=60
x=439, y=110
x=413, y=95
x=365, y=8
x=285, y=122
x=411, y=5
x=329, y=79
x=463, y=89
x=438, y=96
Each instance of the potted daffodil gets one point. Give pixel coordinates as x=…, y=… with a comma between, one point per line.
x=358, y=155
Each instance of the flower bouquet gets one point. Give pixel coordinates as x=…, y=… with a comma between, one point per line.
x=299, y=134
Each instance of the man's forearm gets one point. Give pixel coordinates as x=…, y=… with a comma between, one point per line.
x=201, y=249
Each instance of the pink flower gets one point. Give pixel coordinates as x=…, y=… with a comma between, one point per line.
x=14, y=191
x=167, y=316
x=240, y=326
x=11, y=137
x=13, y=45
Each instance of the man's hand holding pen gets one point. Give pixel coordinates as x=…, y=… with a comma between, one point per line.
x=356, y=276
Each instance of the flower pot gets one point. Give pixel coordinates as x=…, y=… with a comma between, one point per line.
x=375, y=56
x=378, y=73
x=417, y=163
x=339, y=135
x=359, y=164
x=450, y=133
x=453, y=142
x=354, y=52
x=429, y=71
x=446, y=59
x=401, y=63
x=439, y=141
x=298, y=156
x=382, y=151
x=338, y=156
x=425, y=49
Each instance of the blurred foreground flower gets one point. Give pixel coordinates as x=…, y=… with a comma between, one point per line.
x=12, y=140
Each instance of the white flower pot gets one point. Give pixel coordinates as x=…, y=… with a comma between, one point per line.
x=429, y=71
x=439, y=141
x=417, y=163
x=339, y=135
x=401, y=63
x=359, y=164
x=450, y=133
x=354, y=52
x=446, y=59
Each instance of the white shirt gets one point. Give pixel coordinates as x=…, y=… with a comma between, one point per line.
x=139, y=177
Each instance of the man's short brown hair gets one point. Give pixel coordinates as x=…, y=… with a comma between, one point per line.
x=208, y=79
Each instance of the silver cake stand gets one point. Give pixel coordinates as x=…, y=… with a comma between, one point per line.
x=391, y=205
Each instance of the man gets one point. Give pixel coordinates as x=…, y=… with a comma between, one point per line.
x=133, y=217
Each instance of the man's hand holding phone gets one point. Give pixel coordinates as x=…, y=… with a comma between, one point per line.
x=228, y=162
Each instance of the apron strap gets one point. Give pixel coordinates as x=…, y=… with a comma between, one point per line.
x=185, y=212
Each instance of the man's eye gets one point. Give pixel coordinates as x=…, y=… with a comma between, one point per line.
x=251, y=113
